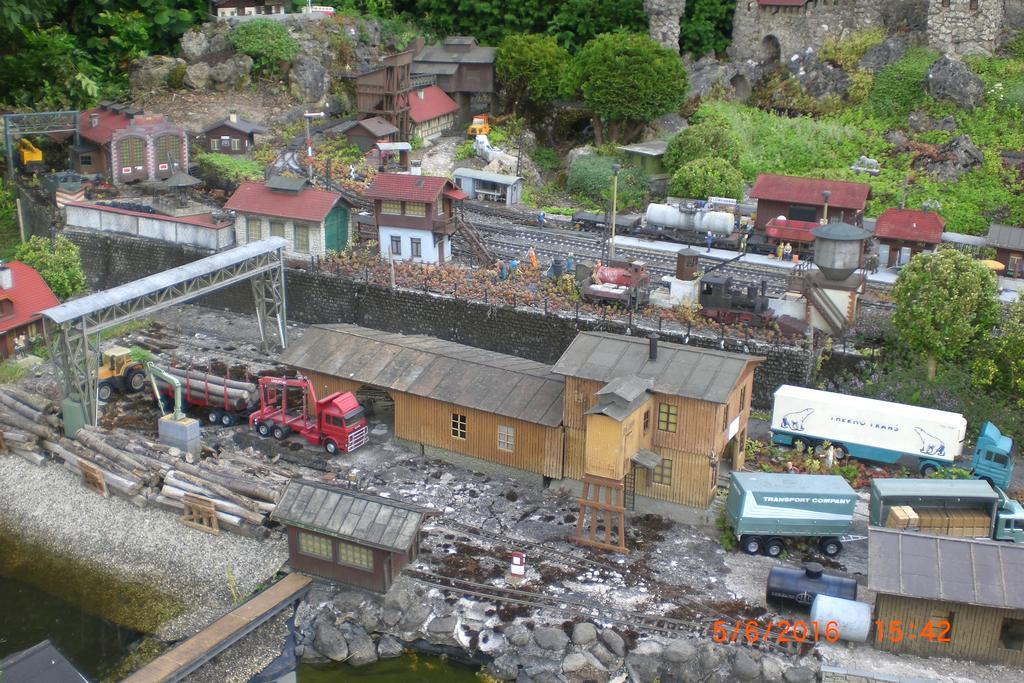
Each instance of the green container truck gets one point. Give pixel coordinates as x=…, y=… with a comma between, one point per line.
x=1004, y=516
x=765, y=509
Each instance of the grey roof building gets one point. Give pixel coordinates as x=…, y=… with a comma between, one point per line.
x=497, y=187
x=702, y=374
x=348, y=536
x=41, y=663
x=958, y=597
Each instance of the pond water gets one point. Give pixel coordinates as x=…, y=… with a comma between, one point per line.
x=410, y=668
x=93, y=618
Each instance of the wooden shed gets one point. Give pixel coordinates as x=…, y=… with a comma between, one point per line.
x=1008, y=241
x=962, y=588
x=479, y=403
x=354, y=538
x=651, y=419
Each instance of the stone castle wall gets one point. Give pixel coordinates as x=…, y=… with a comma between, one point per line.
x=317, y=297
x=965, y=27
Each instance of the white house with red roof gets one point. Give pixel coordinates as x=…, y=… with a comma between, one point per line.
x=415, y=216
x=432, y=112
x=23, y=294
x=314, y=222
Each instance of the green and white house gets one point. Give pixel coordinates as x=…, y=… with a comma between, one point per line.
x=315, y=222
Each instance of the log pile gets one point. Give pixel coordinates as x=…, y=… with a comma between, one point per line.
x=243, y=487
x=206, y=389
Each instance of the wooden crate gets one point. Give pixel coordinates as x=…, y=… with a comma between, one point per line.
x=898, y=517
x=934, y=521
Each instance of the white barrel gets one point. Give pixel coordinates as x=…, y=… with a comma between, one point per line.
x=670, y=217
x=852, y=618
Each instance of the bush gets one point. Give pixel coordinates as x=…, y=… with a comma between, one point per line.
x=845, y=52
x=701, y=141
x=708, y=177
x=591, y=178
x=726, y=535
x=951, y=473
x=228, y=169
x=57, y=261
x=545, y=159
x=267, y=42
x=176, y=79
x=898, y=89
x=9, y=237
x=1015, y=48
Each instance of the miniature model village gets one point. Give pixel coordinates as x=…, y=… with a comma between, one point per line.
x=337, y=339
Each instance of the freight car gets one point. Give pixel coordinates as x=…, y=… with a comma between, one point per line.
x=720, y=301
x=618, y=282
x=625, y=224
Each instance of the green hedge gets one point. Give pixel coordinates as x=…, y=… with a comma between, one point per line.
x=591, y=178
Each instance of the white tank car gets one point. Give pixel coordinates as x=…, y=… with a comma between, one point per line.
x=669, y=219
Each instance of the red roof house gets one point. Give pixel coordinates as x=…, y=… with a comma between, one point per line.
x=808, y=199
x=23, y=294
x=908, y=230
x=313, y=221
x=432, y=112
x=126, y=144
x=415, y=216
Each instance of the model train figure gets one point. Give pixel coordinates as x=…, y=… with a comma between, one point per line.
x=618, y=282
x=669, y=220
x=721, y=302
x=625, y=224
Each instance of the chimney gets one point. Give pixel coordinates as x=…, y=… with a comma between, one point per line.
x=419, y=94
x=653, y=354
x=6, y=277
x=233, y=117
x=94, y=119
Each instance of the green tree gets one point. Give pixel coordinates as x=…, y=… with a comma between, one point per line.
x=58, y=262
x=700, y=141
x=706, y=26
x=945, y=303
x=576, y=22
x=591, y=179
x=48, y=71
x=626, y=80
x=9, y=237
x=708, y=177
x=529, y=67
x=1001, y=365
x=120, y=38
x=267, y=42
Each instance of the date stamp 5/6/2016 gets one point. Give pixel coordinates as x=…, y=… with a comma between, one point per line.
x=782, y=631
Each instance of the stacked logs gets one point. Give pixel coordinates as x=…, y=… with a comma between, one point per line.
x=243, y=489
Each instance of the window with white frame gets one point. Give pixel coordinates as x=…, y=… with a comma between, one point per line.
x=236, y=144
x=506, y=438
x=301, y=238
x=458, y=426
x=277, y=228
x=396, y=245
x=417, y=247
x=253, y=229
x=662, y=473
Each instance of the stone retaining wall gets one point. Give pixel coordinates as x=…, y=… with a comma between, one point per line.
x=318, y=297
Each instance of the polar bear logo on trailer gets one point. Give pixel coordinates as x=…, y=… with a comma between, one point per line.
x=930, y=445
x=795, y=420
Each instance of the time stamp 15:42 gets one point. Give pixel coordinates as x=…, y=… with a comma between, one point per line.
x=893, y=630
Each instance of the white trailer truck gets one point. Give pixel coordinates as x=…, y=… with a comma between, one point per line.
x=886, y=432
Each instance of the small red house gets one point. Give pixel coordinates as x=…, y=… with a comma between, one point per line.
x=346, y=536
x=432, y=112
x=809, y=200
x=125, y=144
x=415, y=216
x=233, y=135
x=23, y=294
x=907, y=232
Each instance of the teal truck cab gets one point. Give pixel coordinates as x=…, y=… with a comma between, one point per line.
x=993, y=457
x=1009, y=524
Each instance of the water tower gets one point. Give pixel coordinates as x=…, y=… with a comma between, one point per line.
x=831, y=289
x=683, y=288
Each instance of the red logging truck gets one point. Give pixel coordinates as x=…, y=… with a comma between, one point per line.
x=337, y=421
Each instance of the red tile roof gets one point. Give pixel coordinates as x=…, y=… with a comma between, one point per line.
x=434, y=103
x=29, y=294
x=305, y=205
x=410, y=188
x=910, y=225
x=790, y=231
x=784, y=188
x=106, y=125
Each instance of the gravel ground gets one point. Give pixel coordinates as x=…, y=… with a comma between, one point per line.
x=248, y=656
x=50, y=506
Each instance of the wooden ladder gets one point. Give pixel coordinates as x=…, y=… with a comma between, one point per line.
x=475, y=240
x=200, y=513
x=611, y=509
x=92, y=477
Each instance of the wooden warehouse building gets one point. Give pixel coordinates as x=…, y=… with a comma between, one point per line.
x=479, y=403
x=650, y=419
x=964, y=589
x=346, y=536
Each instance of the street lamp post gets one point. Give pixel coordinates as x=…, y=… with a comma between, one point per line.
x=615, y=191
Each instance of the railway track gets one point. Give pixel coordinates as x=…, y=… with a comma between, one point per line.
x=576, y=608
x=543, y=550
